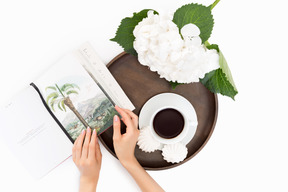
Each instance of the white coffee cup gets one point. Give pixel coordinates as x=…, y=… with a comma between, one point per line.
x=173, y=140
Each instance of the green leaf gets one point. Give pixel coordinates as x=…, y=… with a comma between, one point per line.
x=76, y=86
x=63, y=106
x=197, y=14
x=59, y=106
x=52, y=103
x=220, y=80
x=213, y=46
x=58, y=102
x=54, y=99
x=124, y=35
x=67, y=86
x=175, y=84
x=71, y=91
x=52, y=106
x=226, y=70
x=53, y=95
x=50, y=87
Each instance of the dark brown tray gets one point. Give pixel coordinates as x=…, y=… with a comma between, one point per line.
x=140, y=84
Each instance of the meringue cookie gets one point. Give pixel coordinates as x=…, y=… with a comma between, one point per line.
x=146, y=142
x=174, y=153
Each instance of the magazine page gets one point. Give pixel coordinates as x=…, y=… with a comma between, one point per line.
x=75, y=98
x=32, y=134
x=100, y=73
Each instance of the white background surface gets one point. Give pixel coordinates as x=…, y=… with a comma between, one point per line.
x=248, y=149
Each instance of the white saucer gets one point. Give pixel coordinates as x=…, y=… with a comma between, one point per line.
x=169, y=99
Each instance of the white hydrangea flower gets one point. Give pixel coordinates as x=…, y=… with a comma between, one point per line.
x=160, y=47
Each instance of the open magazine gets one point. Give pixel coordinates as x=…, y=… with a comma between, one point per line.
x=41, y=123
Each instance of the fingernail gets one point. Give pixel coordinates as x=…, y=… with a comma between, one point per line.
x=115, y=118
x=94, y=131
x=83, y=131
x=88, y=128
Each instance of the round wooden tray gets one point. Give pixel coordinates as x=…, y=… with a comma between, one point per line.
x=140, y=84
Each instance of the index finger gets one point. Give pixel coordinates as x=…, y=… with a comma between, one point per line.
x=133, y=116
x=74, y=149
x=86, y=143
x=92, y=144
x=125, y=117
x=78, y=145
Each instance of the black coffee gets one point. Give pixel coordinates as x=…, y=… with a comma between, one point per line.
x=168, y=123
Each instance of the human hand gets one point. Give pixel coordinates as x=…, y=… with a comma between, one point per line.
x=87, y=157
x=124, y=145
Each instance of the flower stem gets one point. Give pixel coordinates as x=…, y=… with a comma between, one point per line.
x=214, y=4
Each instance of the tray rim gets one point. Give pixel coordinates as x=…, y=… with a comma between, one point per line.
x=188, y=158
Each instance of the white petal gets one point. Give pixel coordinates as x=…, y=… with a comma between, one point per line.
x=196, y=41
x=190, y=30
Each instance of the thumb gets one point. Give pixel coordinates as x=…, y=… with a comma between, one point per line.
x=116, y=127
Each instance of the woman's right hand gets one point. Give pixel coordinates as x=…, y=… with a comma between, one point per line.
x=124, y=144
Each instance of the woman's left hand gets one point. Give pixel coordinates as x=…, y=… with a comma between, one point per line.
x=87, y=157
